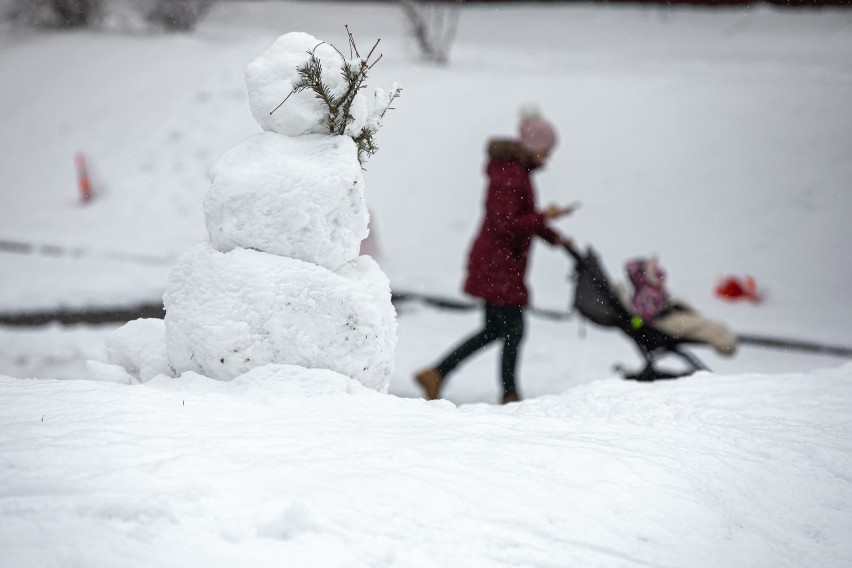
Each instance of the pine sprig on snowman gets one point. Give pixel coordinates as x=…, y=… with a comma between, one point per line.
x=339, y=105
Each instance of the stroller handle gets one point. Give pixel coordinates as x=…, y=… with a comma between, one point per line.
x=575, y=254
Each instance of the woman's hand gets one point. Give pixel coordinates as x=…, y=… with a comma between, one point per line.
x=554, y=211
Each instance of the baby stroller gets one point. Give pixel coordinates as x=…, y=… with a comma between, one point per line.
x=598, y=301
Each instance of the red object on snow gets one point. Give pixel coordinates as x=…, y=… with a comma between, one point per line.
x=733, y=288
x=83, y=177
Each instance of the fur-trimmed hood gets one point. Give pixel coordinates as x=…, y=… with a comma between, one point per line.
x=510, y=150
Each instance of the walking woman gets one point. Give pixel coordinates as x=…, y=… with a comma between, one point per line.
x=497, y=263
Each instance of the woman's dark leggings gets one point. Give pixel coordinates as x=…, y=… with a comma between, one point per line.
x=501, y=322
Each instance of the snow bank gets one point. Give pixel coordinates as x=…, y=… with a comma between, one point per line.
x=298, y=197
x=227, y=313
x=267, y=383
x=284, y=463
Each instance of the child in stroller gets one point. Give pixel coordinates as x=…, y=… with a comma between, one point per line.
x=652, y=302
x=656, y=324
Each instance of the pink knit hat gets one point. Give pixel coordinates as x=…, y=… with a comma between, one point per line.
x=537, y=135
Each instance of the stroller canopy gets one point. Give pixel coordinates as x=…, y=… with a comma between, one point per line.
x=594, y=297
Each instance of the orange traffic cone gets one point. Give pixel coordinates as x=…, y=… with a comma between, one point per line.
x=83, y=177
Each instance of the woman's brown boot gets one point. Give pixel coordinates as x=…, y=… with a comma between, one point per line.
x=510, y=397
x=431, y=381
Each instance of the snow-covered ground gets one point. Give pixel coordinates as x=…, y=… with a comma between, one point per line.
x=719, y=140
x=750, y=470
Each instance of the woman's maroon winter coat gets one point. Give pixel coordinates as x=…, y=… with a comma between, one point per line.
x=498, y=260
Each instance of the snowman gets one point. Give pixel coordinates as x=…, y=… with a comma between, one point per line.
x=280, y=280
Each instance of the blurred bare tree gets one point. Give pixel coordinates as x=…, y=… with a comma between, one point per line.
x=178, y=14
x=114, y=15
x=59, y=13
x=73, y=13
x=434, y=25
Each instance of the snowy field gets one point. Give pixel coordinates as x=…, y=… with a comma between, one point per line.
x=719, y=140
